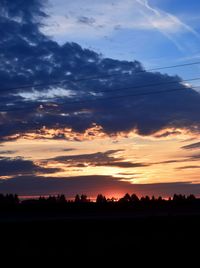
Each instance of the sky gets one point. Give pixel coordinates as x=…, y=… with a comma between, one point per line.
x=81, y=109
x=156, y=32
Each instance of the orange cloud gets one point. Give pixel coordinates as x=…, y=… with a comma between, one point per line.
x=97, y=132
x=62, y=133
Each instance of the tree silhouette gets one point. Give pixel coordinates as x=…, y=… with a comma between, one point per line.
x=191, y=197
x=134, y=198
x=77, y=199
x=84, y=198
x=61, y=199
x=127, y=203
x=101, y=199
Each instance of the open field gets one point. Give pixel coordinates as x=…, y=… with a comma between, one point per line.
x=117, y=237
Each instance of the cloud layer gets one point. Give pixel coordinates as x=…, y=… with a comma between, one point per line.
x=92, y=185
x=192, y=146
x=97, y=159
x=18, y=167
x=29, y=57
x=98, y=19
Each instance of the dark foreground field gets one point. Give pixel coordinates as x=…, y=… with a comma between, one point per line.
x=54, y=230
x=98, y=238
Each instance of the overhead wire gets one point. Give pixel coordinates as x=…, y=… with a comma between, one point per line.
x=97, y=77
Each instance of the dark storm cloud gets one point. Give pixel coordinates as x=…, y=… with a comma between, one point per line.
x=19, y=166
x=192, y=146
x=27, y=11
x=97, y=159
x=27, y=56
x=92, y=185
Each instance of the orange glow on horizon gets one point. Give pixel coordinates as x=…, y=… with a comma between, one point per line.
x=162, y=155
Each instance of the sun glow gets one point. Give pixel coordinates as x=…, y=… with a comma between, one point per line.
x=67, y=171
x=162, y=156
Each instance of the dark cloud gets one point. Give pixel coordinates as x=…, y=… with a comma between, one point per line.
x=7, y=152
x=92, y=185
x=172, y=161
x=19, y=166
x=117, y=27
x=68, y=150
x=195, y=157
x=86, y=20
x=184, y=159
x=187, y=167
x=27, y=56
x=192, y=146
x=168, y=133
x=97, y=159
x=26, y=11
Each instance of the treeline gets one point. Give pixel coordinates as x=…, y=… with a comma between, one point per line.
x=82, y=201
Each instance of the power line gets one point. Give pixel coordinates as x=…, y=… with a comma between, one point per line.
x=132, y=95
x=97, y=77
x=114, y=97
x=174, y=66
x=150, y=85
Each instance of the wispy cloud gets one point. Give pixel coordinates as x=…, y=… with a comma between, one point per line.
x=187, y=167
x=103, y=18
x=97, y=159
x=192, y=146
x=167, y=23
x=165, y=20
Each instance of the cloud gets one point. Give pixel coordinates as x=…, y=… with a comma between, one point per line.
x=7, y=152
x=18, y=167
x=107, y=158
x=164, y=20
x=168, y=132
x=168, y=24
x=103, y=18
x=128, y=173
x=172, y=161
x=92, y=185
x=187, y=167
x=23, y=11
x=192, y=146
x=68, y=149
x=45, y=96
x=195, y=157
x=85, y=20
x=182, y=159
x=81, y=108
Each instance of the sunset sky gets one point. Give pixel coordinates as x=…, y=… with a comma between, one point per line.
x=82, y=111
